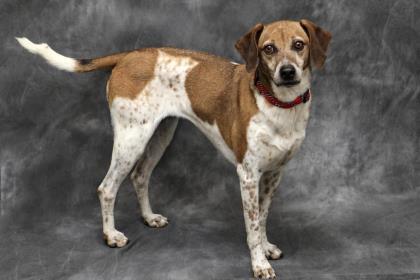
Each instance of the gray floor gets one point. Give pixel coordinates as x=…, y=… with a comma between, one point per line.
x=349, y=204
x=373, y=237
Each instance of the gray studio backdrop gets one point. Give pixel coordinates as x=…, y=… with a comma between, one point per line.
x=349, y=204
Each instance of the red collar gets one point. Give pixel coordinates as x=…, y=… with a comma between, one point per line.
x=264, y=91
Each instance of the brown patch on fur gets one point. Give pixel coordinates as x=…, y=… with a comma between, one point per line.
x=220, y=93
x=132, y=73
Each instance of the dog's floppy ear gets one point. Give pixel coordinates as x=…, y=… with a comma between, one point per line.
x=318, y=42
x=247, y=46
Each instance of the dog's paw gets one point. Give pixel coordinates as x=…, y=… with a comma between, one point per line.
x=271, y=251
x=155, y=220
x=115, y=238
x=264, y=271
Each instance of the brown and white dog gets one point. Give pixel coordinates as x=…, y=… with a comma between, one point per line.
x=255, y=114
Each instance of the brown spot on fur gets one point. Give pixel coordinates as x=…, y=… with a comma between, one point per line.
x=248, y=187
x=252, y=215
x=252, y=194
x=254, y=204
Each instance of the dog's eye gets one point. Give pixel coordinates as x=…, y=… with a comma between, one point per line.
x=269, y=49
x=298, y=45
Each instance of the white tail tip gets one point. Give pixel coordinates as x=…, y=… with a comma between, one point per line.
x=55, y=59
x=27, y=44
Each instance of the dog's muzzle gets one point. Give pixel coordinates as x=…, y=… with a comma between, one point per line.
x=288, y=75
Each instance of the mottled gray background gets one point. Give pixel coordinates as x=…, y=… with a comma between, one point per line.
x=349, y=204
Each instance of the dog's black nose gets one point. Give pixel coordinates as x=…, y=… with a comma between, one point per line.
x=287, y=72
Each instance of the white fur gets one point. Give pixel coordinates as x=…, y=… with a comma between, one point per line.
x=55, y=59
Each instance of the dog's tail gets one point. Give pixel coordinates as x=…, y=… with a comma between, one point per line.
x=67, y=63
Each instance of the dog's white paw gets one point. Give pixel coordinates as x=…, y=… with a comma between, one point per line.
x=263, y=270
x=155, y=220
x=271, y=251
x=114, y=238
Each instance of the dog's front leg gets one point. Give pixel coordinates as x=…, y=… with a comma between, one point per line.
x=268, y=185
x=249, y=180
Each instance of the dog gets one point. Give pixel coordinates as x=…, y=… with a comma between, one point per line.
x=254, y=113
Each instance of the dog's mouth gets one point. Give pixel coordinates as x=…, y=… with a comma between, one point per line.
x=288, y=83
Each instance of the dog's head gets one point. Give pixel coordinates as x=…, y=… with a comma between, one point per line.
x=284, y=51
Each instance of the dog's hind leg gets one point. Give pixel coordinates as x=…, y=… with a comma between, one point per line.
x=130, y=140
x=144, y=168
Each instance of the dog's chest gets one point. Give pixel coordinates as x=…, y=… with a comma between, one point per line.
x=275, y=136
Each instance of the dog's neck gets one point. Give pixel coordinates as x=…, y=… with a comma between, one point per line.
x=285, y=119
